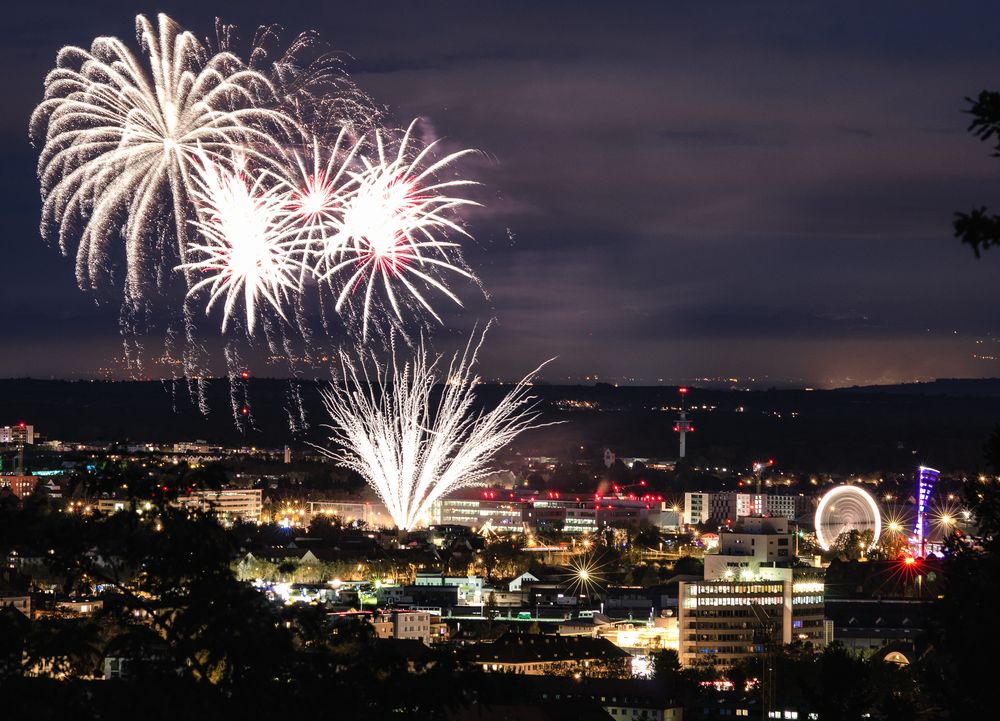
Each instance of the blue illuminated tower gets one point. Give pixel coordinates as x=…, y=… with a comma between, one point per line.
x=926, y=478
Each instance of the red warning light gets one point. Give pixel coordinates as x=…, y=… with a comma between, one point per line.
x=245, y=375
x=245, y=411
x=21, y=425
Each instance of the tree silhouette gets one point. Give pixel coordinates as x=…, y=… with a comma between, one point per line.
x=980, y=228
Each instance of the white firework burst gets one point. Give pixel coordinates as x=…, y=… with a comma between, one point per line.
x=250, y=244
x=119, y=131
x=408, y=447
x=392, y=230
x=318, y=182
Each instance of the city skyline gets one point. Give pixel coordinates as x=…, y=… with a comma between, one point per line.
x=673, y=197
x=478, y=361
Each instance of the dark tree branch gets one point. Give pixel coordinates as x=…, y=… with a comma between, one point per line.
x=978, y=228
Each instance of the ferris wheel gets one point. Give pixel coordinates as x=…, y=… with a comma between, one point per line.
x=844, y=509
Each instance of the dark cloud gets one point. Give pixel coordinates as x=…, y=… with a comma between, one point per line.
x=672, y=190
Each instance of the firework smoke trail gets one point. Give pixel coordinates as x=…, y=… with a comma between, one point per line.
x=392, y=230
x=310, y=82
x=408, y=448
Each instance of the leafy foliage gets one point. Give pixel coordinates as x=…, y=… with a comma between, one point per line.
x=980, y=228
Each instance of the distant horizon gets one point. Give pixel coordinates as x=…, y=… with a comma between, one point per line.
x=731, y=384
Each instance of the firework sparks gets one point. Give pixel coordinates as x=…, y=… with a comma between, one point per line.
x=250, y=243
x=410, y=449
x=171, y=161
x=318, y=182
x=393, y=230
x=119, y=131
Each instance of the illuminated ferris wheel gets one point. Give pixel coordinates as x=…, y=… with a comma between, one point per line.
x=844, y=509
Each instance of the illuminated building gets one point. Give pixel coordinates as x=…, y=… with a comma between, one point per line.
x=696, y=508
x=475, y=508
x=670, y=520
x=412, y=625
x=109, y=506
x=641, y=639
x=636, y=637
x=517, y=510
x=348, y=511
x=867, y=625
x=543, y=655
x=20, y=486
x=197, y=448
x=926, y=478
x=751, y=578
x=590, y=516
x=468, y=590
x=227, y=503
x=755, y=541
x=22, y=434
x=728, y=506
x=80, y=608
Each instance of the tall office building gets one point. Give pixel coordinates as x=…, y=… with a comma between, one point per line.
x=22, y=433
x=697, y=508
x=752, y=594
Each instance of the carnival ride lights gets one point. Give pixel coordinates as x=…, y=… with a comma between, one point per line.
x=843, y=509
x=926, y=478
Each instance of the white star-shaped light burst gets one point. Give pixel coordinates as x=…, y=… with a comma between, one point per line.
x=393, y=229
x=251, y=243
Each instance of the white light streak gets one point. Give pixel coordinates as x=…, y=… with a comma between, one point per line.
x=409, y=448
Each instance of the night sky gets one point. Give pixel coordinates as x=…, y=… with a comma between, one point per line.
x=673, y=191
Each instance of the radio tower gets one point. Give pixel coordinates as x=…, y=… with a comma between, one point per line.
x=683, y=425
